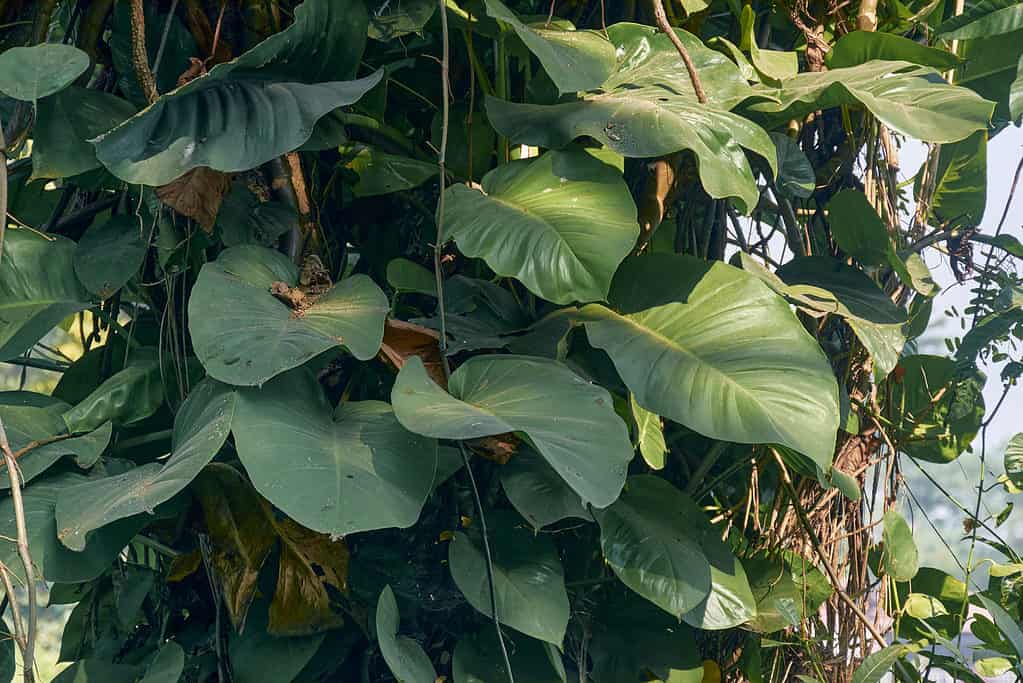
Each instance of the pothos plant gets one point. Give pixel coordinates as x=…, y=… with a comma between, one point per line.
x=474, y=341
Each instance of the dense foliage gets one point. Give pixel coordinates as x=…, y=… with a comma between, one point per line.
x=471, y=341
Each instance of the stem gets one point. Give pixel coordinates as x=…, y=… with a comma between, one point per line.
x=163, y=36
x=705, y=466
x=139, y=55
x=443, y=341
x=28, y=649
x=662, y=23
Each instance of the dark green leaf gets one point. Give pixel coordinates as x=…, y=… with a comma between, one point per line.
x=538, y=492
x=796, y=177
x=167, y=665
x=128, y=396
x=984, y=19
x=382, y=173
x=404, y=656
x=31, y=73
x=109, y=254
x=477, y=659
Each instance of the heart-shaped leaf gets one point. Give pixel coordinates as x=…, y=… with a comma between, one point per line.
x=30, y=73
x=249, y=110
x=201, y=427
x=571, y=422
x=404, y=656
x=648, y=108
x=354, y=468
x=529, y=583
x=109, y=254
x=244, y=335
x=561, y=223
x=538, y=492
x=38, y=288
x=712, y=347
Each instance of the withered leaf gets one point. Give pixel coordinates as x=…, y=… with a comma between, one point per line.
x=402, y=340
x=197, y=194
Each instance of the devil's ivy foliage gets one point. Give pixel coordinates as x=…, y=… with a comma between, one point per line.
x=577, y=365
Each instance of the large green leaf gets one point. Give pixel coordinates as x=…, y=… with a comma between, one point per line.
x=827, y=285
x=1014, y=460
x=29, y=418
x=1016, y=93
x=65, y=122
x=109, y=254
x=201, y=427
x=167, y=665
x=38, y=288
x=259, y=656
x=773, y=65
x=529, y=584
x=404, y=656
x=859, y=231
x=382, y=173
x=30, y=73
x=561, y=223
x=936, y=412
x=898, y=93
x=990, y=66
x=879, y=663
x=712, y=347
x=244, y=335
x=127, y=396
x=178, y=45
x=477, y=659
x=251, y=109
x=648, y=108
x=899, y=556
x=1009, y=627
x=352, y=469
x=56, y=562
x=575, y=60
x=796, y=177
x=536, y=490
x=571, y=422
x=960, y=186
x=652, y=541
x=860, y=47
x=984, y=19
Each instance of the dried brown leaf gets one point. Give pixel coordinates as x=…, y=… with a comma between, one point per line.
x=198, y=194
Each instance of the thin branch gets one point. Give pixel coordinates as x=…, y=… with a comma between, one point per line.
x=28, y=649
x=662, y=23
x=139, y=55
x=443, y=341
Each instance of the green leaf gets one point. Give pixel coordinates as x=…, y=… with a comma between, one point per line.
x=243, y=335
x=857, y=228
x=575, y=60
x=779, y=600
x=356, y=468
x=529, y=583
x=774, y=65
x=382, y=173
x=31, y=73
x=178, y=47
x=796, y=177
x=109, y=254
x=560, y=223
x=1016, y=93
x=167, y=665
x=129, y=395
x=409, y=276
x=899, y=556
x=877, y=664
x=65, y=122
x=404, y=656
x=990, y=65
x=992, y=666
x=258, y=656
x=1014, y=460
x=927, y=423
x=281, y=88
x=713, y=348
x=824, y=285
x=898, y=93
x=960, y=188
x=920, y=606
x=390, y=20
x=56, y=562
x=98, y=671
x=570, y=422
x=38, y=288
x=201, y=427
x=637, y=114
x=243, y=219
x=1009, y=627
x=860, y=47
x=536, y=490
x=983, y=19
x=649, y=434
x=31, y=418
x=478, y=659
x=650, y=541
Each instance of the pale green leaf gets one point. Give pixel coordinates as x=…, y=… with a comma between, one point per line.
x=649, y=434
x=899, y=556
x=1014, y=460
x=30, y=73
x=860, y=47
x=404, y=656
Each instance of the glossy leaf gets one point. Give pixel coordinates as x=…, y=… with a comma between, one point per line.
x=1009, y=627
x=130, y=395
x=561, y=223
x=858, y=230
x=529, y=583
x=860, y=47
x=38, y=288
x=898, y=93
x=774, y=65
x=31, y=73
x=382, y=173
x=635, y=114
x=109, y=254
x=649, y=434
x=899, y=557
x=244, y=335
x=960, y=188
x=404, y=656
x=650, y=539
x=569, y=421
x=796, y=177
x=255, y=107
x=575, y=60
x=200, y=429
x=983, y=19
x=712, y=347
x=537, y=492
x=356, y=468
